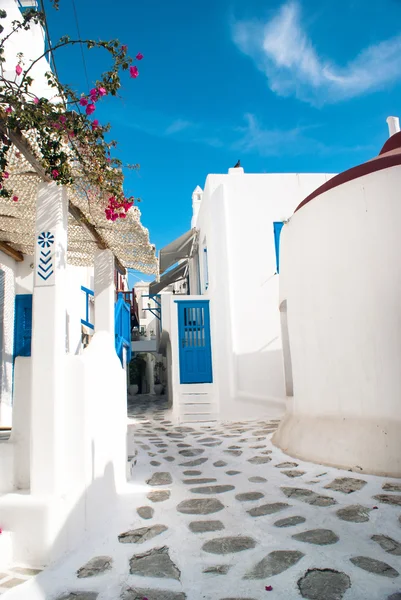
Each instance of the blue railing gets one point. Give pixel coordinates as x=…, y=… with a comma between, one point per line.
x=86, y=320
x=122, y=324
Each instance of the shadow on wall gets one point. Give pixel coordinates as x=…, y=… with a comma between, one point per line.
x=259, y=382
x=260, y=373
x=84, y=510
x=169, y=373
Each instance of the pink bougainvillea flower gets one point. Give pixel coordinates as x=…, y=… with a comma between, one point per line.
x=122, y=215
x=133, y=71
x=36, y=100
x=139, y=56
x=95, y=125
x=108, y=159
x=268, y=588
x=55, y=173
x=6, y=175
x=1, y=531
x=90, y=109
x=63, y=119
x=83, y=102
x=9, y=109
x=102, y=91
x=124, y=48
x=15, y=198
x=18, y=69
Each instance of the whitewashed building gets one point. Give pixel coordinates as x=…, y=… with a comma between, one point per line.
x=340, y=296
x=65, y=460
x=223, y=340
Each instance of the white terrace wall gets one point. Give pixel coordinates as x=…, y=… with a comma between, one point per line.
x=235, y=223
x=341, y=278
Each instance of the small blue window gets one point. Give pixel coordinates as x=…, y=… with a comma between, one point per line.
x=277, y=231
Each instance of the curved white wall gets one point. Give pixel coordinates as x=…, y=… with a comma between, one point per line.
x=341, y=277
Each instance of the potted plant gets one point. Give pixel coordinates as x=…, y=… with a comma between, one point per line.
x=142, y=333
x=152, y=334
x=137, y=368
x=159, y=369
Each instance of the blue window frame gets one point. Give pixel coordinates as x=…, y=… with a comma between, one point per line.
x=277, y=231
x=23, y=325
x=87, y=294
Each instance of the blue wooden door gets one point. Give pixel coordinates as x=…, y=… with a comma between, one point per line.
x=194, y=342
x=23, y=325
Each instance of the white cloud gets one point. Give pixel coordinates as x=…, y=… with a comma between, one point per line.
x=256, y=139
x=177, y=126
x=282, y=49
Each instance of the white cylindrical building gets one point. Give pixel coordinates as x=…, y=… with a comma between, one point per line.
x=340, y=293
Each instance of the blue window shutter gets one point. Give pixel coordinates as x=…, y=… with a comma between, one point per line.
x=277, y=231
x=23, y=325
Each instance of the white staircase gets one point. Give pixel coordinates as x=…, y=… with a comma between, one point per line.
x=197, y=404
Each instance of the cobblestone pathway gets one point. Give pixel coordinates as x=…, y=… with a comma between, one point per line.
x=219, y=513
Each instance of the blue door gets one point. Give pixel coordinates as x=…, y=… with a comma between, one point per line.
x=23, y=325
x=194, y=342
x=122, y=327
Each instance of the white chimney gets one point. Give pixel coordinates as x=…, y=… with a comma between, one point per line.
x=196, y=202
x=393, y=125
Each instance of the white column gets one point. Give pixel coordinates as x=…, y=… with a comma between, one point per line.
x=150, y=372
x=49, y=340
x=104, y=292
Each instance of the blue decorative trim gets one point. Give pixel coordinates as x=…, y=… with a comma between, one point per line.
x=47, y=276
x=45, y=266
x=277, y=227
x=45, y=239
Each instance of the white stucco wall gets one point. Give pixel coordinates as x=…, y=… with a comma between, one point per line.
x=8, y=270
x=236, y=218
x=341, y=279
x=31, y=44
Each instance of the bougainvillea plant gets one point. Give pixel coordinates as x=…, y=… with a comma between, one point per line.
x=71, y=141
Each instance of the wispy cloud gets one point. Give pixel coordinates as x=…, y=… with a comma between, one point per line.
x=254, y=138
x=282, y=49
x=177, y=126
x=250, y=136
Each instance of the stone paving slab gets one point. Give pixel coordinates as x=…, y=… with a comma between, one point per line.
x=228, y=516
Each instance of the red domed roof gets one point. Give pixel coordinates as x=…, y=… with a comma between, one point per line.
x=390, y=156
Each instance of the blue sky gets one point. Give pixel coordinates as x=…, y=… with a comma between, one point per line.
x=284, y=86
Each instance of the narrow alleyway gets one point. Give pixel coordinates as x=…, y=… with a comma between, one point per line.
x=217, y=512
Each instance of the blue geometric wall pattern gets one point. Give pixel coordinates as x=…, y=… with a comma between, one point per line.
x=45, y=259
